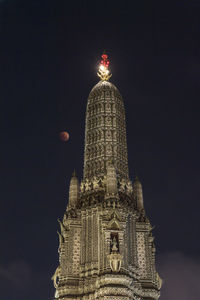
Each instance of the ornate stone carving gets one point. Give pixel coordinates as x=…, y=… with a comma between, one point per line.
x=110, y=119
x=115, y=260
x=106, y=247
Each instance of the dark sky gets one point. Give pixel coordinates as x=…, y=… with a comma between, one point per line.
x=49, y=52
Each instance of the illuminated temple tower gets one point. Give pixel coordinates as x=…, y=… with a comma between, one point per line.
x=106, y=248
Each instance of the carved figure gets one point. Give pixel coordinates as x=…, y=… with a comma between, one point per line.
x=114, y=245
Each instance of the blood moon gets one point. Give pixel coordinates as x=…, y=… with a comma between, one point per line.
x=64, y=136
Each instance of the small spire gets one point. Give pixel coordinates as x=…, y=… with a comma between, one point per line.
x=137, y=191
x=73, y=191
x=104, y=72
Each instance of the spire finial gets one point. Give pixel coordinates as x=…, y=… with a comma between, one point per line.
x=104, y=72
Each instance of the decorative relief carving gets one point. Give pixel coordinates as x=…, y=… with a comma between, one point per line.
x=96, y=183
x=110, y=108
x=141, y=254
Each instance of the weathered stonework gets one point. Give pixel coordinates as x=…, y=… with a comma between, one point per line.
x=106, y=248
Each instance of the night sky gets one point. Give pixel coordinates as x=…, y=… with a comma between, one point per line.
x=49, y=52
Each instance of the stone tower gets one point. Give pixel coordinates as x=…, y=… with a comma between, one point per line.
x=106, y=248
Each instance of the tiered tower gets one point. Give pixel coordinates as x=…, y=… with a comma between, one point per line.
x=106, y=248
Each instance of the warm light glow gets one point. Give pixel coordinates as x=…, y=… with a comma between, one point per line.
x=102, y=67
x=104, y=72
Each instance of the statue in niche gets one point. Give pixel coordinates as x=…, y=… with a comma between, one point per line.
x=115, y=258
x=109, y=149
x=109, y=135
x=108, y=108
x=108, y=121
x=114, y=247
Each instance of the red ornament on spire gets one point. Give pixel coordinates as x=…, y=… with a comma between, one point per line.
x=104, y=72
x=105, y=60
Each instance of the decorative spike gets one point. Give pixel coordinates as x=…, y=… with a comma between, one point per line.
x=60, y=238
x=61, y=226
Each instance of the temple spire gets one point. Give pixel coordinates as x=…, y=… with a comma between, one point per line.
x=106, y=246
x=105, y=131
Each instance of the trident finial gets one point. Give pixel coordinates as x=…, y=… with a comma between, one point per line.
x=103, y=71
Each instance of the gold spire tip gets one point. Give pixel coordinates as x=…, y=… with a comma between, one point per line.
x=104, y=72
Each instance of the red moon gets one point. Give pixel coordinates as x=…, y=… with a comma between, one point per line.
x=64, y=136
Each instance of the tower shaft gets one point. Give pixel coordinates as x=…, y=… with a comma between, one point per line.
x=105, y=132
